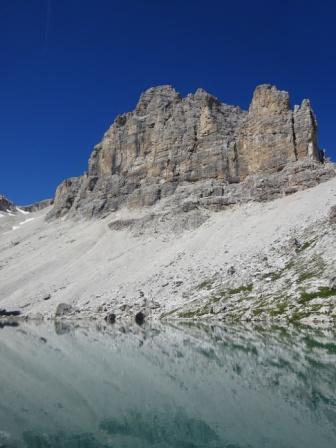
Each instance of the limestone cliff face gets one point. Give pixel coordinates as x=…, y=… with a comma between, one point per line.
x=273, y=135
x=169, y=141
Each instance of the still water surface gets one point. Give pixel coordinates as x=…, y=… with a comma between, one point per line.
x=167, y=386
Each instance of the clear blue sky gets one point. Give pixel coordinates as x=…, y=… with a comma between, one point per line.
x=68, y=67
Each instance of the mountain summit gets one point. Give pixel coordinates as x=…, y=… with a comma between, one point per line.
x=169, y=144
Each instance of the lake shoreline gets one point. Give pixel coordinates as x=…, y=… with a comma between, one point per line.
x=129, y=320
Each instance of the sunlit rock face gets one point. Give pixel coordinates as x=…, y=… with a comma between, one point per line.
x=169, y=141
x=274, y=135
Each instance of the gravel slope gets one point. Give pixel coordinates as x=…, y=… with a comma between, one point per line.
x=273, y=260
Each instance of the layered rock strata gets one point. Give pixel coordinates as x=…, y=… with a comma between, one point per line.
x=201, y=146
x=273, y=135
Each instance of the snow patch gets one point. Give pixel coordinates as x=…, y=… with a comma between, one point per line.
x=24, y=212
x=22, y=223
x=27, y=220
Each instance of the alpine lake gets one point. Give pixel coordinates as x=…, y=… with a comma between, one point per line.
x=167, y=385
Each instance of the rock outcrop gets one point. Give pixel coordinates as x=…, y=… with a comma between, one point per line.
x=6, y=205
x=273, y=135
x=332, y=215
x=197, y=147
x=37, y=206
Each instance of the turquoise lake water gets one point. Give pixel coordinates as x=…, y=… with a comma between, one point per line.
x=163, y=386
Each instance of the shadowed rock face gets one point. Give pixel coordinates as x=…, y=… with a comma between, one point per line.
x=37, y=206
x=6, y=205
x=169, y=141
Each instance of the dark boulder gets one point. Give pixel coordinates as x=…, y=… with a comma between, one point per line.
x=332, y=215
x=231, y=270
x=63, y=309
x=110, y=318
x=332, y=283
x=140, y=318
x=5, y=313
x=8, y=324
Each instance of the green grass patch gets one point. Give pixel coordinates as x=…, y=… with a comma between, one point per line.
x=192, y=314
x=275, y=275
x=188, y=314
x=281, y=308
x=289, y=265
x=257, y=311
x=169, y=313
x=206, y=284
x=243, y=288
x=306, y=276
x=306, y=245
x=322, y=293
x=298, y=315
x=216, y=298
x=227, y=293
x=315, y=308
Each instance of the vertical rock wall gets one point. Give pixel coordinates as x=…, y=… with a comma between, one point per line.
x=273, y=135
x=169, y=141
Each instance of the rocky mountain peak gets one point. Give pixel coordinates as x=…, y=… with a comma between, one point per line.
x=155, y=98
x=267, y=99
x=197, y=148
x=201, y=95
x=6, y=205
x=273, y=135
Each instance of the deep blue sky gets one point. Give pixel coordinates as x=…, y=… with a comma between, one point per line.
x=68, y=67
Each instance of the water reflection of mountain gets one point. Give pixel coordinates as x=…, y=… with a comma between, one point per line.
x=164, y=386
